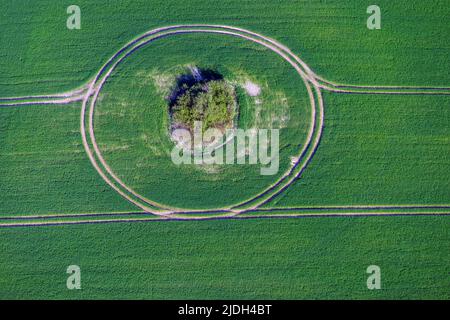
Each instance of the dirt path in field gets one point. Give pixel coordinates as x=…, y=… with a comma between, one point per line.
x=59, y=98
x=44, y=101
x=385, y=90
x=240, y=217
x=67, y=94
x=249, y=211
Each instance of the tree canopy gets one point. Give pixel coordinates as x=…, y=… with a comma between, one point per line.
x=212, y=102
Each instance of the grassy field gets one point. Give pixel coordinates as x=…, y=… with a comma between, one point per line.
x=400, y=144
x=44, y=168
x=132, y=129
x=412, y=47
x=405, y=156
x=289, y=259
x=375, y=150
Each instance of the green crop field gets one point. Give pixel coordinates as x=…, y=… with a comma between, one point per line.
x=400, y=144
x=141, y=139
x=88, y=176
x=283, y=258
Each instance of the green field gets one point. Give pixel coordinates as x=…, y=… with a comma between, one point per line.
x=44, y=168
x=139, y=148
x=411, y=49
x=380, y=154
x=279, y=259
x=400, y=144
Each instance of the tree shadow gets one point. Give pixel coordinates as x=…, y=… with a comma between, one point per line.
x=190, y=79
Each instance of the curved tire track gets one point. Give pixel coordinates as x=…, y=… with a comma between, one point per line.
x=127, y=50
x=85, y=92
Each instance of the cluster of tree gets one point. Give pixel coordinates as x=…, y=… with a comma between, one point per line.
x=212, y=102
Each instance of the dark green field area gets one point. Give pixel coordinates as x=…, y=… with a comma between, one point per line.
x=131, y=126
x=39, y=54
x=44, y=168
x=375, y=150
x=378, y=150
x=279, y=258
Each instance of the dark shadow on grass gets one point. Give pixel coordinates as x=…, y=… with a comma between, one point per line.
x=186, y=81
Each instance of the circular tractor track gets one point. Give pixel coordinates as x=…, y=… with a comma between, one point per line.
x=108, y=175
